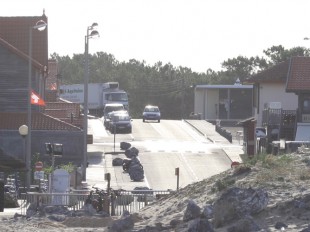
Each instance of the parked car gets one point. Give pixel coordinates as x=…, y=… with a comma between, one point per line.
x=112, y=107
x=107, y=120
x=151, y=113
x=119, y=121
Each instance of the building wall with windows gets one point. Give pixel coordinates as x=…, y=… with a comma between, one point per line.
x=224, y=102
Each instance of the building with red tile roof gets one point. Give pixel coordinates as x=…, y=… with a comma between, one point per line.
x=298, y=80
x=14, y=70
x=269, y=88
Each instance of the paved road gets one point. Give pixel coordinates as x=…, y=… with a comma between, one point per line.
x=101, y=162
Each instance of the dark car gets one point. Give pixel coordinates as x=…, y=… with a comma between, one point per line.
x=120, y=122
x=151, y=113
x=108, y=118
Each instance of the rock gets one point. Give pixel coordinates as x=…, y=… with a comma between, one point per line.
x=57, y=218
x=131, y=152
x=236, y=203
x=126, y=164
x=192, y=211
x=306, y=229
x=200, y=225
x=207, y=212
x=245, y=225
x=136, y=172
x=280, y=225
x=125, y=145
x=124, y=223
x=117, y=162
x=174, y=222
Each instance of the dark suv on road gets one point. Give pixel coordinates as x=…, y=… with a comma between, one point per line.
x=120, y=121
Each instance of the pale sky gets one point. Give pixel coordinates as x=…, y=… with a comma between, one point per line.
x=198, y=34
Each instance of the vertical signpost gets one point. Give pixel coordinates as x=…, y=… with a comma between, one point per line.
x=177, y=173
x=39, y=174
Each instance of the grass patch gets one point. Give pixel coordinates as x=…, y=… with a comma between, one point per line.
x=269, y=161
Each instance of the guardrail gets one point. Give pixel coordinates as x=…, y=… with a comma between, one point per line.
x=117, y=202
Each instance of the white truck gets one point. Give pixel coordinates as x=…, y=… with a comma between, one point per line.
x=99, y=94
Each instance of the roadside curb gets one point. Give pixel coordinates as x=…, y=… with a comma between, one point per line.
x=200, y=132
x=231, y=151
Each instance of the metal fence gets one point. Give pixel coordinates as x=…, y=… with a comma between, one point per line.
x=114, y=204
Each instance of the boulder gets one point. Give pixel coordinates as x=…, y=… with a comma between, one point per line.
x=126, y=222
x=125, y=145
x=236, y=203
x=136, y=172
x=200, y=225
x=117, y=162
x=192, y=211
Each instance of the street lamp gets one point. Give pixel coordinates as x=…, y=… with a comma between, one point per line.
x=85, y=107
x=40, y=25
x=23, y=131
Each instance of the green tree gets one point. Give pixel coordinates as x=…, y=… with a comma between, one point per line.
x=278, y=54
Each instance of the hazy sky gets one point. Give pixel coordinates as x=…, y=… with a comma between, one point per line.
x=198, y=34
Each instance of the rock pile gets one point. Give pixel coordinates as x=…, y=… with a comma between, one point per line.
x=131, y=164
x=238, y=205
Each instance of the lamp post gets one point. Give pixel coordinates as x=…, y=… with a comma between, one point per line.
x=85, y=107
x=23, y=131
x=40, y=25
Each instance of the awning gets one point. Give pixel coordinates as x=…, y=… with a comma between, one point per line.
x=303, y=132
x=8, y=162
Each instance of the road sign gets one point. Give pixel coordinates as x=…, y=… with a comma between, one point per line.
x=38, y=166
x=39, y=175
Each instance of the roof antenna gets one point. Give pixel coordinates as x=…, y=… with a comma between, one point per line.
x=43, y=12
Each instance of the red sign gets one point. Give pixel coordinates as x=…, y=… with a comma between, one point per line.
x=36, y=99
x=39, y=166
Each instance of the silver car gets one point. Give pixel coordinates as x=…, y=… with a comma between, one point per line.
x=151, y=113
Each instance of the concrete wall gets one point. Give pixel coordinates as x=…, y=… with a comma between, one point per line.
x=212, y=111
x=200, y=102
x=208, y=103
x=275, y=92
x=13, y=144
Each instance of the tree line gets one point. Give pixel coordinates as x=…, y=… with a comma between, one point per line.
x=169, y=87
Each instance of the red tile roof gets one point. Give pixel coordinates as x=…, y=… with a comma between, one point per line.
x=299, y=75
x=13, y=120
x=15, y=30
x=277, y=73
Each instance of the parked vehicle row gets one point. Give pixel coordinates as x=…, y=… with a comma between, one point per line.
x=117, y=119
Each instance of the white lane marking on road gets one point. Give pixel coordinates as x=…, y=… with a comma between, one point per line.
x=159, y=129
x=189, y=167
